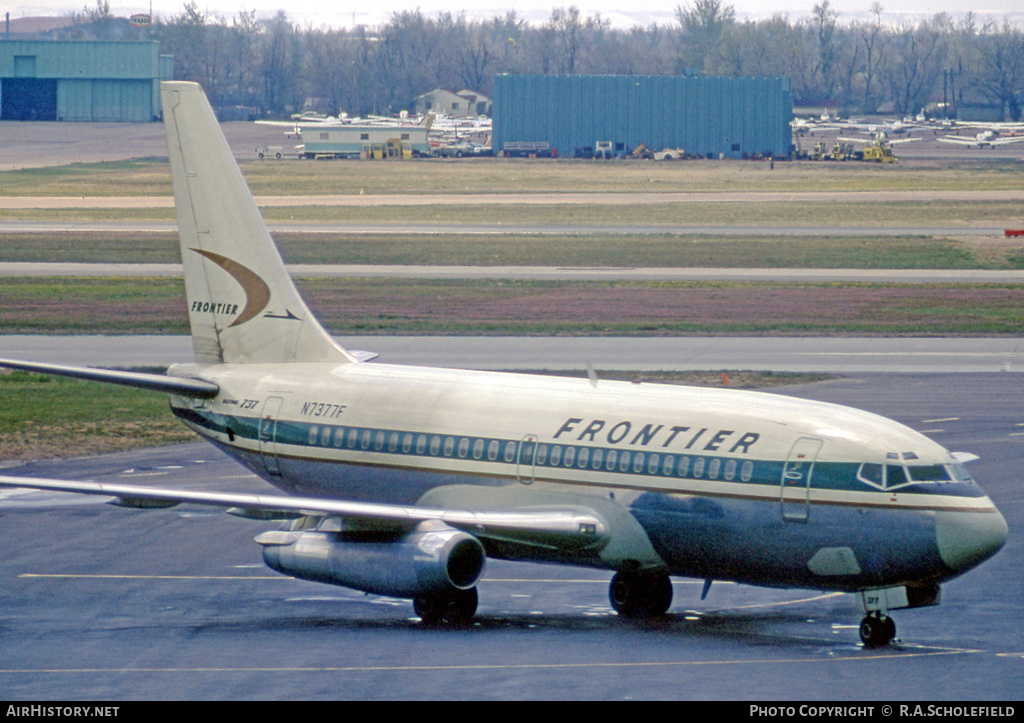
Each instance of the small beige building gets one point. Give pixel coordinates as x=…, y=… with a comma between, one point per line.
x=459, y=105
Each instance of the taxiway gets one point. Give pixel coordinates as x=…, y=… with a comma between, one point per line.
x=105, y=603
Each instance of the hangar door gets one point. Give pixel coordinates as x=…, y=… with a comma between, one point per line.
x=28, y=99
x=121, y=100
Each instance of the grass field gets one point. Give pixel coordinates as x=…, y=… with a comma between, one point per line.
x=46, y=417
x=152, y=178
x=514, y=307
x=596, y=250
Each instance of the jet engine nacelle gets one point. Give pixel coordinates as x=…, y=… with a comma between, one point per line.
x=432, y=559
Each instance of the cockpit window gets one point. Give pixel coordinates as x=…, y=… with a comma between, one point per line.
x=871, y=474
x=960, y=473
x=892, y=476
x=929, y=473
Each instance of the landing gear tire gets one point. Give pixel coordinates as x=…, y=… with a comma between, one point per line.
x=877, y=630
x=635, y=595
x=455, y=607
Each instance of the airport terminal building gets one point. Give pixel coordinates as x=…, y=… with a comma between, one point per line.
x=715, y=117
x=74, y=80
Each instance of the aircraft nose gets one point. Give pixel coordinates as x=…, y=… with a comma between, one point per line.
x=966, y=539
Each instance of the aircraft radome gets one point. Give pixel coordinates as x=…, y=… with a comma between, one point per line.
x=402, y=481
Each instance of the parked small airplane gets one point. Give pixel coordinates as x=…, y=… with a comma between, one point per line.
x=982, y=139
x=886, y=127
x=401, y=481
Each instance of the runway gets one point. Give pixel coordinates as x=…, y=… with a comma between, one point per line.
x=549, y=273
x=477, y=229
x=105, y=603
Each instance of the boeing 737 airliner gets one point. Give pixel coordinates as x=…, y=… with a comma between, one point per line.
x=401, y=481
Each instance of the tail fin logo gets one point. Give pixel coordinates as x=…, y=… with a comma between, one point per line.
x=257, y=293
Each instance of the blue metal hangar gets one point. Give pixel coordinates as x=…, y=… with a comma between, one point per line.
x=713, y=117
x=74, y=80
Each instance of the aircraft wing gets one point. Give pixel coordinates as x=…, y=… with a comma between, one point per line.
x=156, y=382
x=554, y=527
x=959, y=139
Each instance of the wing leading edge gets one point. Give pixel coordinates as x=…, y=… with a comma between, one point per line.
x=556, y=527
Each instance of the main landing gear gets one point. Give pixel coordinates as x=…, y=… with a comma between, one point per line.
x=638, y=594
x=455, y=607
x=877, y=630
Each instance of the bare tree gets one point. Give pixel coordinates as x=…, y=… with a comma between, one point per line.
x=567, y=25
x=916, y=62
x=874, y=41
x=272, y=64
x=280, y=61
x=701, y=26
x=1002, y=80
x=825, y=20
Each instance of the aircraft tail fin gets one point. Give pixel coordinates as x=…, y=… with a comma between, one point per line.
x=242, y=305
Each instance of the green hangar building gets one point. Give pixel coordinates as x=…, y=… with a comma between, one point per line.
x=73, y=80
x=714, y=117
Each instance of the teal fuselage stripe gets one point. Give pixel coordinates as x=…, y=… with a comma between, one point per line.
x=533, y=457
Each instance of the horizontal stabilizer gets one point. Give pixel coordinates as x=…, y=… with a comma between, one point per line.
x=156, y=382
